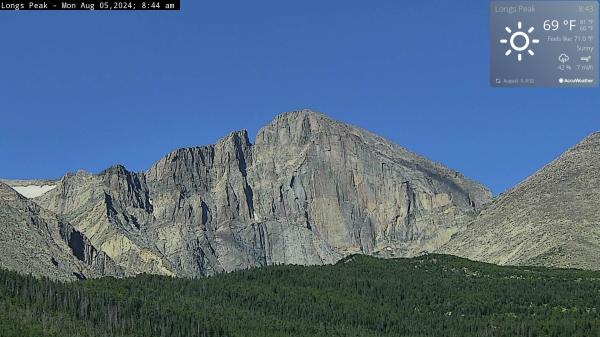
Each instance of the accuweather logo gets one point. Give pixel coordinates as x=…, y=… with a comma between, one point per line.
x=575, y=81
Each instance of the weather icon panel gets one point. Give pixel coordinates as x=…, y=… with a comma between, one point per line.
x=519, y=41
x=544, y=43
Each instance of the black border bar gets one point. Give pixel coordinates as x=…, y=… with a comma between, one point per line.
x=19, y=5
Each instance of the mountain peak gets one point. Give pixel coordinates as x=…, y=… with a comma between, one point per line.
x=236, y=136
x=300, y=113
x=115, y=169
x=301, y=127
x=310, y=191
x=302, y=116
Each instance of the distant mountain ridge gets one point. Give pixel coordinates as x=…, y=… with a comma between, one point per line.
x=310, y=190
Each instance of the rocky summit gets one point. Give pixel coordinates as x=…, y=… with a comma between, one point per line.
x=310, y=190
x=551, y=219
x=35, y=241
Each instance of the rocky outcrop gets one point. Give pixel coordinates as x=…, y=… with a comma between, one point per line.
x=309, y=191
x=551, y=219
x=111, y=208
x=35, y=241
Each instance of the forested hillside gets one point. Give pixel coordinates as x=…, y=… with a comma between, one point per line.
x=435, y=295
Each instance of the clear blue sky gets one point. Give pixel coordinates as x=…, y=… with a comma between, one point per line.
x=83, y=90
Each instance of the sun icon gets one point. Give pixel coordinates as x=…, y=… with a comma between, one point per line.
x=519, y=41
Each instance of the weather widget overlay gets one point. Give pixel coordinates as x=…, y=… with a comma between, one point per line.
x=544, y=43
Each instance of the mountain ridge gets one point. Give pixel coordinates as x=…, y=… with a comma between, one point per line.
x=549, y=219
x=310, y=190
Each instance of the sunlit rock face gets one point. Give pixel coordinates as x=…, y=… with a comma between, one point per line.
x=310, y=190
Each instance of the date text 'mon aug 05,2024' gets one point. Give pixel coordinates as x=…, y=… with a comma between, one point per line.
x=89, y=5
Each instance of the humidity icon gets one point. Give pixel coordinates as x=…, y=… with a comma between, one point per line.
x=519, y=41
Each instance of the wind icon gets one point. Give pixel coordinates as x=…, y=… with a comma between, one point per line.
x=519, y=41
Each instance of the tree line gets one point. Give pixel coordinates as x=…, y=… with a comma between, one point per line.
x=433, y=295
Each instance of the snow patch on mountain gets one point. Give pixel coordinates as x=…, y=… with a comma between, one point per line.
x=33, y=191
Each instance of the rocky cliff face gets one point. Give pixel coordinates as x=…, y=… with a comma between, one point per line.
x=35, y=241
x=355, y=190
x=309, y=191
x=551, y=219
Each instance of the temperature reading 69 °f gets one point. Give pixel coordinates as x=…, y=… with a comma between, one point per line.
x=555, y=24
x=544, y=43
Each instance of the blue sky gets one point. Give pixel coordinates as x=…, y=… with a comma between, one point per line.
x=82, y=90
